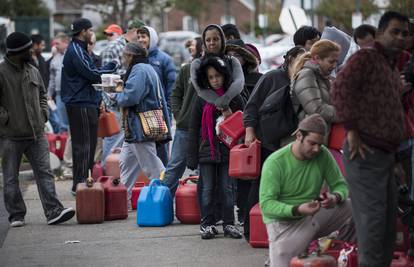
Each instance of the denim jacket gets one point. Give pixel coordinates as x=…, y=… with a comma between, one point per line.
x=141, y=94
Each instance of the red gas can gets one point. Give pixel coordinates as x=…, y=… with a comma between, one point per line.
x=97, y=171
x=186, y=202
x=258, y=232
x=402, y=241
x=401, y=260
x=231, y=129
x=338, y=158
x=112, y=164
x=245, y=161
x=136, y=190
x=51, y=139
x=336, y=136
x=313, y=261
x=116, y=198
x=60, y=145
x=90, y=205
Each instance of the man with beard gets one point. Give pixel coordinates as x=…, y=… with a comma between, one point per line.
x=294, y=210
x=23, y=113
x=81, y=99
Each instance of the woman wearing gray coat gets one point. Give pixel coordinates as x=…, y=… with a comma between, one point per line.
x=310, y=85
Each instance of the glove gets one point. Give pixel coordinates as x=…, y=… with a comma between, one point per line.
x=222, y=102
x=192, y=164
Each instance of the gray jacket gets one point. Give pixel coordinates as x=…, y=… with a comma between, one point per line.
x=55, y=77
x=310, y=90
x=23, y=101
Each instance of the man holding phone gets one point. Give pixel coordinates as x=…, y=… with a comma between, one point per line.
x=293, y=209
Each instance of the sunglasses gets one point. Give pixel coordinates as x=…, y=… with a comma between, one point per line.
x=109, y=34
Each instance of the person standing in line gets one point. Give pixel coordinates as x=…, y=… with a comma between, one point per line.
x=53, y=91
x=142, y=92
x=23, y=114
x=182, y=99
x=114, y=52
x=367, y=97
x=81, y=99
x=306, y=36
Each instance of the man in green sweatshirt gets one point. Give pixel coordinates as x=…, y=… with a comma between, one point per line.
x=294, y=210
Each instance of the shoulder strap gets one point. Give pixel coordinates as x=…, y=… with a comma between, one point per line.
x=159, y=90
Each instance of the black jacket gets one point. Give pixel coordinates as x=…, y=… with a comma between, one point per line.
x=198, y=149
x=268, y=83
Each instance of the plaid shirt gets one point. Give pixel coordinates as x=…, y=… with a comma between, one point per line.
x=114, y=52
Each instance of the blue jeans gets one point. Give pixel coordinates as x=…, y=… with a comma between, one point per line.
x=114, y=141
x=37, y=152
x=178, y=161
x=212, y=176
x=61, y=109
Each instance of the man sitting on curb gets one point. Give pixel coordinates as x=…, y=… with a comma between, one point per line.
x=294, y=211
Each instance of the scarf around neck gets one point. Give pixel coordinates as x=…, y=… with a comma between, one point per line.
x=207, y=123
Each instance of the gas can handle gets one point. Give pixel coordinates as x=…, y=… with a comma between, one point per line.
x=154, y=183
x=139, y=184
x=103, y=179
x=191, y=178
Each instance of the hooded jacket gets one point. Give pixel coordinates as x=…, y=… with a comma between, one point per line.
x=162, y=63
x=141, y=94
x=79, y=73
x=311, y=92
x=237, y=76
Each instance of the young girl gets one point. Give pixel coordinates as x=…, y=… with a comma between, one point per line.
x=212, y=156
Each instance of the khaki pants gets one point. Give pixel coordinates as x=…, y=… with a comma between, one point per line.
x=288, y=239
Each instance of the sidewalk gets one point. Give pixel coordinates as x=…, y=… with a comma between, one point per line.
x=117, y=243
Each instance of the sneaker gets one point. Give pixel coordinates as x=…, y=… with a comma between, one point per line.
x=232, y=232
x=63, y=216
x=17, y=223
x=207, y=232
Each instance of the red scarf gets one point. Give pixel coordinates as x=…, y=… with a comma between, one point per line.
x=207, y=123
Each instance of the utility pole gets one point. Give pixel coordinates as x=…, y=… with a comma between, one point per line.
x=227, y=11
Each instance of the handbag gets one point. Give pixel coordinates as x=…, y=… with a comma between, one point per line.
x=108, y=124
x=153, y=122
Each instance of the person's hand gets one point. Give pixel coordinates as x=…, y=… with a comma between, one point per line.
x=328, y=200
x=49, y=98
x=309, y=208
x=355, y=145
x=222, y=102
x=226, y=113
x=250, y=136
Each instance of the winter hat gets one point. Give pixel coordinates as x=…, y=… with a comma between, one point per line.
x=253, y=49
x=313, y=123
x=17, y=42
x=135, y=49
x=135, y=24
x=238, y=46
x=80, y=25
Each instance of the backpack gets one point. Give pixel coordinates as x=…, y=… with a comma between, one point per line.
x=277, y=116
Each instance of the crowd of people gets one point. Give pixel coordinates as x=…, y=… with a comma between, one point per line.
x=369, y=91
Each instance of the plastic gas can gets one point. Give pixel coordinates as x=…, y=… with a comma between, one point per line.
x=186, y=202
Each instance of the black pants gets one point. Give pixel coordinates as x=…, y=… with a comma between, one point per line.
x=83, y=124
x=253, y=197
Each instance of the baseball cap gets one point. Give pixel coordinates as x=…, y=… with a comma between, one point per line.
x=136, y=23
x=113, y=28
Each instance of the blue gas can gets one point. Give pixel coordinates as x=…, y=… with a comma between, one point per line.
x=155, y=205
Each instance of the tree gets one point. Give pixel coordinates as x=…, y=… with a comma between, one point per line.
x=340, y=11
x=12, y=8
x=405, y=7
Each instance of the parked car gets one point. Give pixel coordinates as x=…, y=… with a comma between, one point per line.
x=272, y=55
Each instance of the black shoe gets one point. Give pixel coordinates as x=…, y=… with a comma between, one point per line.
x=232, y=232
x=63, y=216
x=207, y=232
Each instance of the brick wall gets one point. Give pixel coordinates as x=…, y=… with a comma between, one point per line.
x=241, y=14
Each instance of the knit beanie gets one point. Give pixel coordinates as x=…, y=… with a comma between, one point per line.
x=314, y=124
x=80, y=25
x=17, y=42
